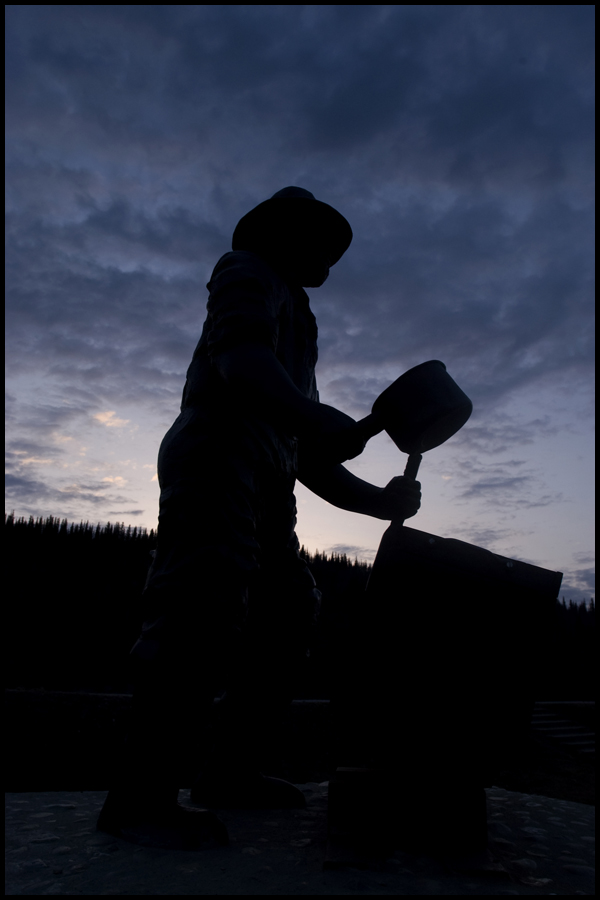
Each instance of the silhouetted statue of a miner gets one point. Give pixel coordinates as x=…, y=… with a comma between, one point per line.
x=228, y=598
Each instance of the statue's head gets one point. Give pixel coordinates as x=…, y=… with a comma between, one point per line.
x=299, y=235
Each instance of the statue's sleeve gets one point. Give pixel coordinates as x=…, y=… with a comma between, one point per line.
x=244, y=304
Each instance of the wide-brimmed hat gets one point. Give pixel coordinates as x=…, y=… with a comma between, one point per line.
x=291, y=210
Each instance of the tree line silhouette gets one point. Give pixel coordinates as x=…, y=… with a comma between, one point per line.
x=75, y=610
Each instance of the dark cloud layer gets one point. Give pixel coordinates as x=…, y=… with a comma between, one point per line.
x=457, y=140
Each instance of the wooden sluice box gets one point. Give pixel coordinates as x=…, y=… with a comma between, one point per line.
x=435, y=693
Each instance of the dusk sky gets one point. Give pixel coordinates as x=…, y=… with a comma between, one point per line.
x=456, y=140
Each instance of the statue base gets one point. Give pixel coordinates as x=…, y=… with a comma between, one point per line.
x=372, y=813
x=435, y=695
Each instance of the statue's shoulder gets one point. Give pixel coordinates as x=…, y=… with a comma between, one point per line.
x=243, y=265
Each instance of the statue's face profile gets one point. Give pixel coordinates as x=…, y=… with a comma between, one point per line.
x=309, y=266
x=303, y=260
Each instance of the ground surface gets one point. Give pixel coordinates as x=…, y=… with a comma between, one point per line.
x=545, y=844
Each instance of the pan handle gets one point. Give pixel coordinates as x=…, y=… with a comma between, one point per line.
x=410, y=471
x=412, y=465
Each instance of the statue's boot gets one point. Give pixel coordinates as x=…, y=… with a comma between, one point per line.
x=162, y=823
x=141, y=805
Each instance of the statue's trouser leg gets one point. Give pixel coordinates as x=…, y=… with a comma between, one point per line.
x=196, y=631
x=283, y=609
x=175, y=682
x=259, y=691
x=194, y=606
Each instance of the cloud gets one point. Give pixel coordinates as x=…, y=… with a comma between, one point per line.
x=588, y=578
x=32, y=460
x=472, y=240
x=108, y=419
x=126, y=512
x=18, y=487
x=583, y=557
x=505, y=485
x=488, y=538
x=496, y=432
